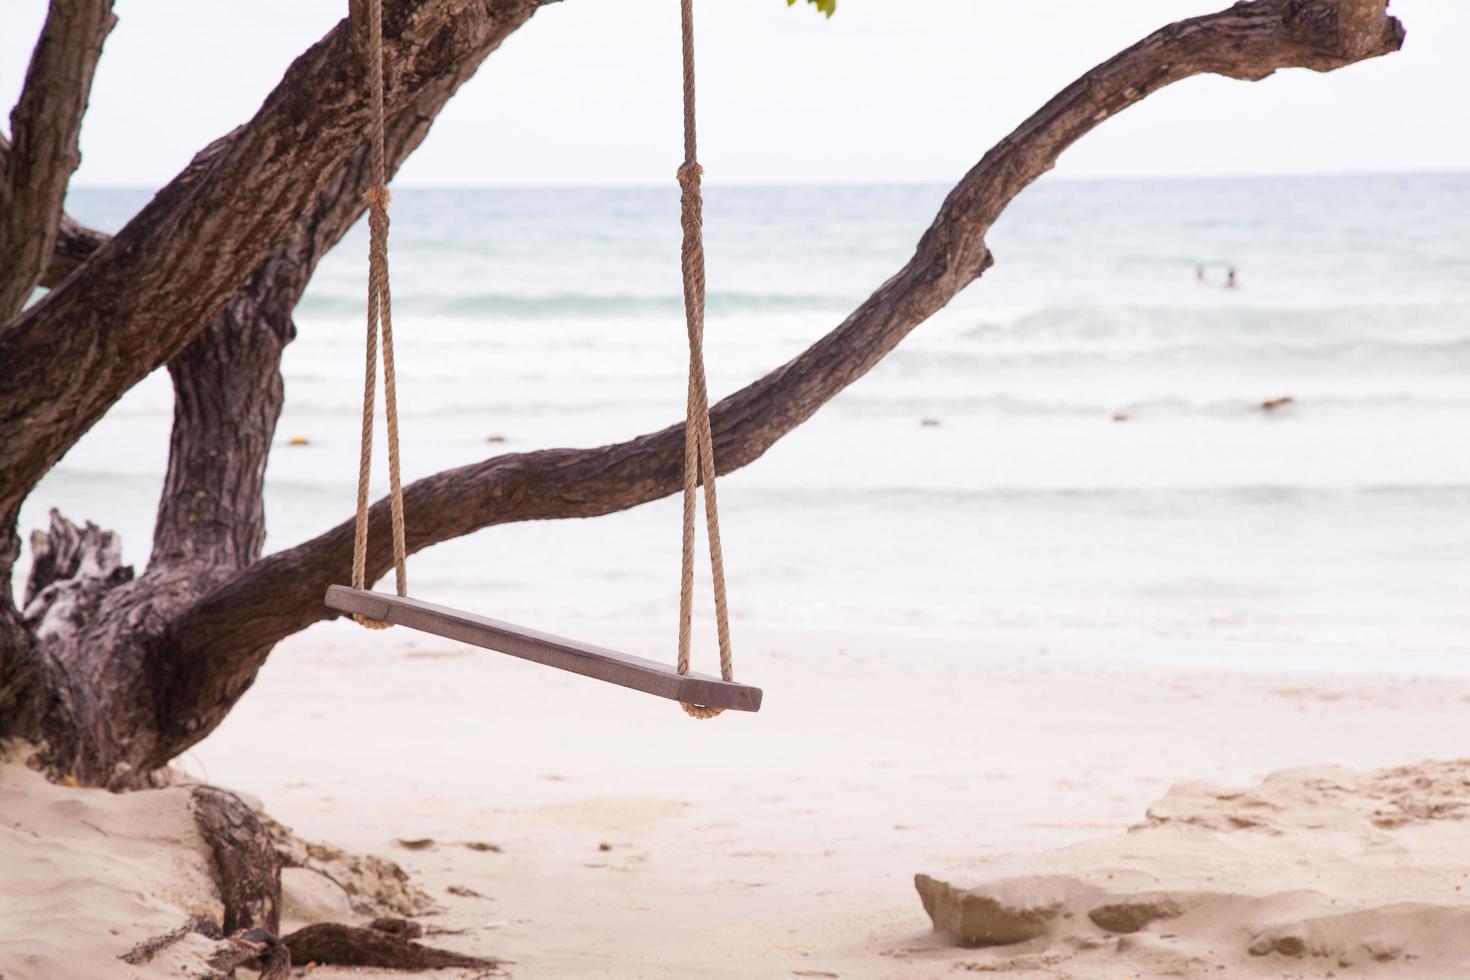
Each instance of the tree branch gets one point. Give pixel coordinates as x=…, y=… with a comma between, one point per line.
x=227, y=383
x=156, y=285
x=227, y=398
x=45, y=124
x=212, y=651
x=228, y=395
x=75, y=243
x=18, y=671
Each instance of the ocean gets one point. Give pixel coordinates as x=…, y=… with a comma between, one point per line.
x=976, y=484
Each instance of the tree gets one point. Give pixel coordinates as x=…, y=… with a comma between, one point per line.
x=113, y=675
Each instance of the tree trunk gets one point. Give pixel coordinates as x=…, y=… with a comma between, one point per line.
x=228, y=396
x=145, y=295
x=157, y=662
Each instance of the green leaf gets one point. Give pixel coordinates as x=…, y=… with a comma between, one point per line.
x=828, y=7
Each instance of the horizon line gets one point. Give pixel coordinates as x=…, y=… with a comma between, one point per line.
x=885, y=182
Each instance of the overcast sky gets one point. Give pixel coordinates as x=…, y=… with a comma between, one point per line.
x=911, y=90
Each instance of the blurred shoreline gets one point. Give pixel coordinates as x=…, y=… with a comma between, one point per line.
x=1074, y=452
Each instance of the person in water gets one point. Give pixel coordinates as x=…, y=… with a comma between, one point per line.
x=1199, y=273
x=1230, y=282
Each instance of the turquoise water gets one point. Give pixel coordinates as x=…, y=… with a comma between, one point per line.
x=1334, y=531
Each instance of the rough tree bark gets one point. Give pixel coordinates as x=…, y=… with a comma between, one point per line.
x=167, y=655
x=387, y=944
x=211, y=516
x=151, y=289
x=72, y=570
x=36, y=166
x=247, y=868
x=74, y=245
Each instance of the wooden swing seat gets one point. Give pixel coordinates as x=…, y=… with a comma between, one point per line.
x=596, y=662
x=700, y=695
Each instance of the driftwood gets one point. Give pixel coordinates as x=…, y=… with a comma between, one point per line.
x=246, y=865
x=387, y=944
x=145, y=951
x=72, y=569
x=204, y=280
x=255, y=949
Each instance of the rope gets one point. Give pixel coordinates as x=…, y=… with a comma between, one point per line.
x=379, y=319
x=699, y=453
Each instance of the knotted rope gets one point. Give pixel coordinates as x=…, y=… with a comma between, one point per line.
x=699, y=452
x=379, y=319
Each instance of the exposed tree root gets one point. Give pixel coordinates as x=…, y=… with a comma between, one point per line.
x=333, y=944
x=246, y=864
x=249, y=851
x=149, y=948
x=386, y=944
x=254, y=949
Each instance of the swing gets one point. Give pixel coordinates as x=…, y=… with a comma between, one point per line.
x=700, y=695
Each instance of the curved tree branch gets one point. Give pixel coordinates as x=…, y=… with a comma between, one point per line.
x=227, y=384
x=211, y=652
x=34, y=173
x=228, y=396
x=44, y=126
x=157, y=284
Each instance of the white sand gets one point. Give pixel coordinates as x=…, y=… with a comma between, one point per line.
x=84, y=874
x=785, y=842
x=1311, y=872
x=760, y=845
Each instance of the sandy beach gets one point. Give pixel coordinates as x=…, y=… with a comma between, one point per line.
x=1091, y=509
x=628, y=841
